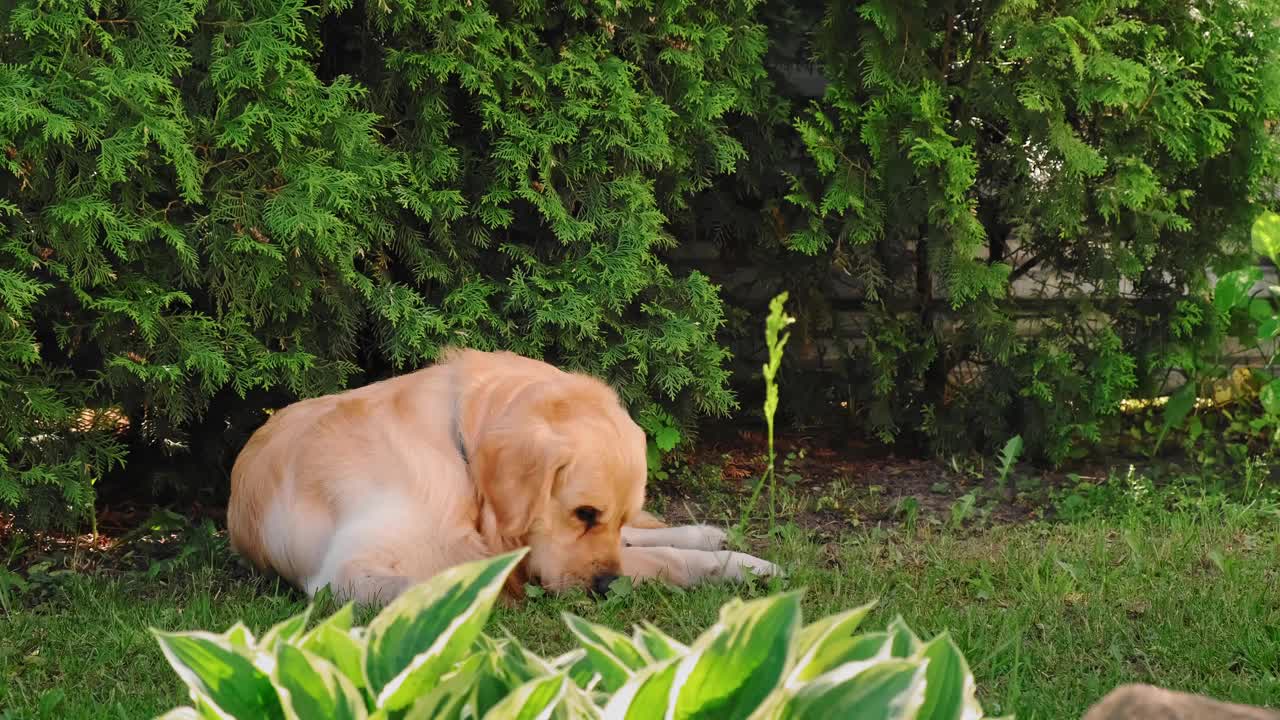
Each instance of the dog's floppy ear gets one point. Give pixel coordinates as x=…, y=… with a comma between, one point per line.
x=517, y=460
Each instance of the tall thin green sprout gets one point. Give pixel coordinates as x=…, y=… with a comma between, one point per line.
x=776, y=339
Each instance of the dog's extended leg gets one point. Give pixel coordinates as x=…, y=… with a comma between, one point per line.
x=685, y=567
x=646, y=520
x=688, y=537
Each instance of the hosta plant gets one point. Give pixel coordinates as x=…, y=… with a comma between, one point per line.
x=426, y=656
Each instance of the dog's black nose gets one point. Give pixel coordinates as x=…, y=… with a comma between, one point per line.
x=600, y=583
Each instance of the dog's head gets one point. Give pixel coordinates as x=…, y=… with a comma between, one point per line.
x=560, y=467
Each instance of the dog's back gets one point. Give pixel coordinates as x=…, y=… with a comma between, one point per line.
x=315, y=462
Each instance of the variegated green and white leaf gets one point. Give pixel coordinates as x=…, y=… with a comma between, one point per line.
x=312, y=687
x=656, y=645
x=341, y=619
x=734, y=665
x=518, y=665
x=288, y=630
x=950, y=692
x=492, y=682
x=863, y=650
x=889, y=690
x=610, y=652
x=240, y=637
x=829, y=642
x=336, y=641
x=904, y=641
x=646, y=695
x=217, y=673
x=451, y=698
x=431, y=626
x=579, y=668
x=534, y=700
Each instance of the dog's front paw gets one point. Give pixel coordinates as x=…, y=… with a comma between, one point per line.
x=738, y=565
x=702, y=537
x=686, y=537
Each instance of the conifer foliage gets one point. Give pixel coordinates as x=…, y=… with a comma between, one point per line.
x=210, y=207
x=208, y=199
x=1117, y=147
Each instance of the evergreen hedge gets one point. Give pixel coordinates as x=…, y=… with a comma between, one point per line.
x=1117, y=148
x=210, y=207
x=208, y=200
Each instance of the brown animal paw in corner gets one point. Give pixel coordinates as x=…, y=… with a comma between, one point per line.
x=1145, y=702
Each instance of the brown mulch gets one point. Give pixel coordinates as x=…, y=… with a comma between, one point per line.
x=130, y=537
x=845, y=486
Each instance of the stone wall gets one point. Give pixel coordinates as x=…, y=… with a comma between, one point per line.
x=1034, y=295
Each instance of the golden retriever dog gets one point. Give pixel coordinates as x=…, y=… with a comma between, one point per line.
x=375, y=489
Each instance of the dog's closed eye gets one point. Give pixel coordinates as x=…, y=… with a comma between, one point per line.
x=588, y=515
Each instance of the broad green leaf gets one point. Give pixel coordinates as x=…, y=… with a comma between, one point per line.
x=1260, y=310
x=515, y=664
x=1269, y=328
x=312, y=687
x=891, y=690
x=580, y=709
x=1233, y=288
x=611, y=653
x=423, y=632
x=490, y=685
x=484, y=643
x=863, y=650
x=450, y=698
x=666, y=438
x=240, y=637
x=831, y=642
x=1270, y=397
x=734, y=665
x=287, y=630
x=655, y=644
x=578, y=666
x=575, y=665
x=1010, y=453
x=646, y=695
x=652, y=457
x=521, y=665
x=508, y=665
x=534, y=700
x=905, y=642
x=185, y=712
x=1180, y=403
x=578, y=704
x=211, y=667
x=205, y=708
x=1266, y=236
x=338, y=646
x=950, y=692
x=342, y=619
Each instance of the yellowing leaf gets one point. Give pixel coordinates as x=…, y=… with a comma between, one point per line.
x=1266, y=236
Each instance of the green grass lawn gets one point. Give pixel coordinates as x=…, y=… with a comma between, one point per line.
x=1183, y=592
